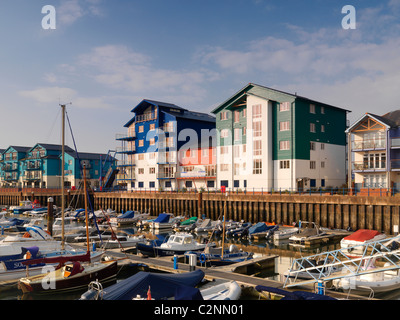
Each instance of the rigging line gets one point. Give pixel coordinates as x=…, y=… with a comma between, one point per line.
x=49, y=134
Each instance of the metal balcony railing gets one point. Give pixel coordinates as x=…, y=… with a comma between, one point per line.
x=363, y=166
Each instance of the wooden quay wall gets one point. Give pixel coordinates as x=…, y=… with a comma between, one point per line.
x=331, y=211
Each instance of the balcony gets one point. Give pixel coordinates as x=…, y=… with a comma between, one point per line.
x=125, y=137
x=126, y=149
x=368, y=144
x=370, y=167
x=166, y=175
x=33, y=165
x=146, y=117
x=126, y=163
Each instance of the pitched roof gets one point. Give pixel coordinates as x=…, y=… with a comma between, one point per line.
x=247, y=90
x=190, y=115
x=56, y=147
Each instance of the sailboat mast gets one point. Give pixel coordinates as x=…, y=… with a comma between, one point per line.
x=86, y=208
x=62, y=175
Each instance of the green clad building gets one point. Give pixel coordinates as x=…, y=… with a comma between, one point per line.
x=269, y=139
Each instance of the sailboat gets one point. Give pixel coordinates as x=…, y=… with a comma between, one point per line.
x=72, y=273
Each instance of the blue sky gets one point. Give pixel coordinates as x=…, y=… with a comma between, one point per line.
x=106, y=56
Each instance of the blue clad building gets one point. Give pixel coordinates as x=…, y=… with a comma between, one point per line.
x=149, y=152
x=41, y=167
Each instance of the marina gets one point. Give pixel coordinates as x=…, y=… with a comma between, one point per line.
x=266, y=268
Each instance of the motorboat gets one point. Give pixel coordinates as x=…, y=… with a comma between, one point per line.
x=11, y=246
x=10, y=224
x=227, y=290
x=128, y=218
x=207, y=225
x=163, y=221
x=178, y=243
x=24, y=205
x=369, y=282
x=271, y=293
x=285, y=233
x=70, y=226
x=39, y=222
x=157, y=285
x=307, y=235
x=213, y=256
x=354, y=243
x=240, y=230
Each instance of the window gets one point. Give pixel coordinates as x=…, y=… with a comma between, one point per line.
x=141, y=129
x=284, y=164
x=224, y=167
x=236, y=169
x=189, y=184
x=225, y=183
x=312, y=145
x=284, y=126
x=322, y=182
x=237, y=133
x=284, y=145
x=236, y=116
x=284, y=106
x=257, y=148
x=170, y=142
x=141, y=184
x=141, y=143
x=322, y=128
x=169, y=127
x=140, y=170
x=313, y=183
x=236, y=151
x=152, y=141
x=236, y=183
x=152, y=170
x=257, y=166
x=244, y=113
x=313, y=165
x=167, y=184
x=141, y=156
x=244, y=130
x=322, y=146
x=312, y=127
x=210, y=184
x=322, y=164
x=312, y=108
x=225, y=133
x=323, y=110
x=224, y=150
x=257, y=129
x=224, y=115
x=257, y=112
x=152, y=184
x=152, y=126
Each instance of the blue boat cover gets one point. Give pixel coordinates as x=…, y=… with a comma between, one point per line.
x=163, y=217
x=188, y=293
x=78, y=212
x=16, y=262
x=258, y=227
x=162, y=286
x=127, y=215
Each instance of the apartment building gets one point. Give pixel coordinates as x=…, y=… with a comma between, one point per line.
x=374, y=151
x=270, y=139
x=40, y=167
x=166, y=147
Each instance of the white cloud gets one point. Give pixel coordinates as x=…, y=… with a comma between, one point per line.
x=121, y=68
x=58, y=95
x=72, y=10
x=354, y=69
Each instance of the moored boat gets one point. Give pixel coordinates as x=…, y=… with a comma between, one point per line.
x=354, y=243
x=177, y=243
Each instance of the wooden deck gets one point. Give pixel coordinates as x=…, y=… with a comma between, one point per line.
x=225, y=273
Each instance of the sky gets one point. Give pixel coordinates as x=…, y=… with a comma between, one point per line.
x=103, y=57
